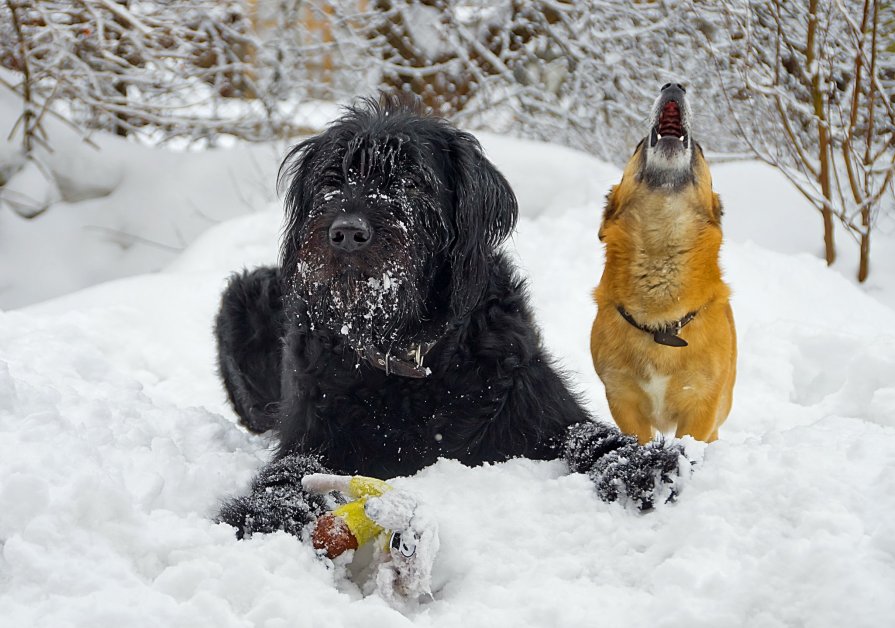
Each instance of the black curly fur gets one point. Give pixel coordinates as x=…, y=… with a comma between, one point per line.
x=288, y=336
x=277, y=500
x=249, y=328
x=620, y=468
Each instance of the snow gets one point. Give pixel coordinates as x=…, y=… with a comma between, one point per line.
x=140, y=207
x=117, y=445
x=30, y=190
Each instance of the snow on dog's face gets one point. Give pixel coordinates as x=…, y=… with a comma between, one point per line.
x=364, y=245
x=389, y=224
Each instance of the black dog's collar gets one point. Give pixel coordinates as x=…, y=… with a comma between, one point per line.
x=408, y=365
x=667, y=335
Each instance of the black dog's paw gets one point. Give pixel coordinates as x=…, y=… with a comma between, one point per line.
x=643, y=475
x=622, y=470
x=277, y=500
x=587, y=442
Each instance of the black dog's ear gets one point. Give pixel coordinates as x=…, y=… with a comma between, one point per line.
x=485, y=212
x=296, y=177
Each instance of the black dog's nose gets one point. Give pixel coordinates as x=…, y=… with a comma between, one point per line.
x=678, y=85
x=350, y=232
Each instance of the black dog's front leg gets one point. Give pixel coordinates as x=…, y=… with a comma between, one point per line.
x=623, y=469
x=277, y=500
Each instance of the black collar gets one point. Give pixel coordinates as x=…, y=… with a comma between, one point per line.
x=666, y=334
x=410, y=364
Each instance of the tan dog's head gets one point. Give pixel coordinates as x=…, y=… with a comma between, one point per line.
x=667, y=161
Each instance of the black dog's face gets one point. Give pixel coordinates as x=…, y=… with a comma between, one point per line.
x=367, y=247
x=392, y=218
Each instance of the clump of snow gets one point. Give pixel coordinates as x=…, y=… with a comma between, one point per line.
x=116, y=211
x=11, y=161
x=31, y=190
x=79, y=173
x=404, y=577
x=84, y=174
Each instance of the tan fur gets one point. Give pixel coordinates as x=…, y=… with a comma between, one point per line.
x=662, y=263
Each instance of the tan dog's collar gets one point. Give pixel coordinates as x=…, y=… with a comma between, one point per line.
x=667, y=334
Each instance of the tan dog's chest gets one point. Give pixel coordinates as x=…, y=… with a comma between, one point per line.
x=659, y=253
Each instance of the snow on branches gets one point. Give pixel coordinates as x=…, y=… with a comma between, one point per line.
x=808, y=87
x=810, y=90
x=162, y=69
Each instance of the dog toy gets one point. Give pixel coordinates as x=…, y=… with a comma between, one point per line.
x=406, y=534
x=348, y=526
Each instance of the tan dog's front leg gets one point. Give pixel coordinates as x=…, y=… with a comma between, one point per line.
x=701, y=420
x=630, y=408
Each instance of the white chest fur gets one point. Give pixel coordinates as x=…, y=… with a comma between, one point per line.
x=655, y=388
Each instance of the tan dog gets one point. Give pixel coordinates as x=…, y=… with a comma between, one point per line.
x=663, y=341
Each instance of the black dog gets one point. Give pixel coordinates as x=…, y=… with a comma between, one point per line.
x=394, y=332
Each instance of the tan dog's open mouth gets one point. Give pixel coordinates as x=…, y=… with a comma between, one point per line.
x=671, y=118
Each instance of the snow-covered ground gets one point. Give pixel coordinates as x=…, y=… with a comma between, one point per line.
x=116, y=443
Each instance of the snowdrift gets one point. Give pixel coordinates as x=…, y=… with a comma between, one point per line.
x=116, y=447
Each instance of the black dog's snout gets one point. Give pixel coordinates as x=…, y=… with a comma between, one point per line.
x=350, y=232
x=678, y=85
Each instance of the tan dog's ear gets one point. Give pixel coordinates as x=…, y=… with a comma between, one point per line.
x=609, y=210
x=717, y=208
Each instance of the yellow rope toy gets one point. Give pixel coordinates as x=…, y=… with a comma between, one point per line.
x=348, y=526
x=406, y=530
